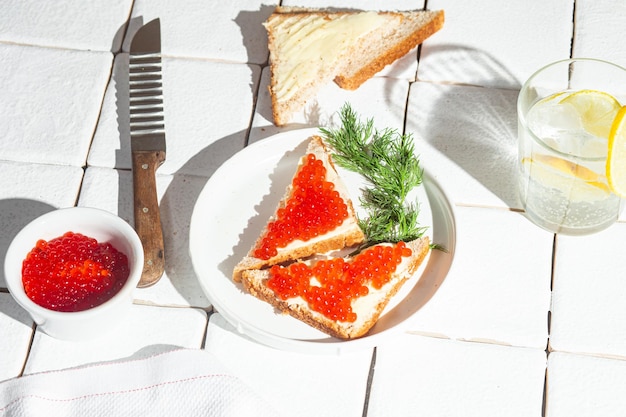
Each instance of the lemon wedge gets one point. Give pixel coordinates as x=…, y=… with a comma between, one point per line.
x=616, y=158
x=570, y=168
x=577, y=181
x=597, y=110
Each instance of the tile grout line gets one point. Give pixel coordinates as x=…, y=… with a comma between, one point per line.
x=554, y=249
x=255, y=101
x=28, y=349
x=95, y=129
x=209, y=312
x=571, y=48
x=549, y=324
x=370, y=378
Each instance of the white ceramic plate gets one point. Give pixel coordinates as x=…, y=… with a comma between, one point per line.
x=235, y=205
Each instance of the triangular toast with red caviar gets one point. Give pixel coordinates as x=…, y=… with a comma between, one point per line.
x=315, y=216
x=341, y=297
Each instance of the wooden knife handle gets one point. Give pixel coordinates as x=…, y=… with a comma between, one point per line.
x=147, y=214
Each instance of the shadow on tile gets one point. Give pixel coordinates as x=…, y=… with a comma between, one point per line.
x=15, y=213
x=118, y=38
x=145, y=352
x=176, y=206
x=264, y=209
x=176, y=216
x=249, y=22
x=255, y=47
x=149, y=351
x=458, y=64
x=474, y=124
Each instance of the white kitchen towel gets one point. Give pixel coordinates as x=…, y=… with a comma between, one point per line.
x=182, y=382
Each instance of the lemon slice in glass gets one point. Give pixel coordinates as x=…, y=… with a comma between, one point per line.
x=578, y=182
x=616, y=158
x=596, y=109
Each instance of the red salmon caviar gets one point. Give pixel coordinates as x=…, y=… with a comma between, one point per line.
x=329, y=286
x=313, y=209
x=73, y=272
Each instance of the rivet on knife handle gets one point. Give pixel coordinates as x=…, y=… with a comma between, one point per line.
x=147, y=144
x=147, y=215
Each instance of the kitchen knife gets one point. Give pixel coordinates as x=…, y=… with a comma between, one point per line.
x=147, y=143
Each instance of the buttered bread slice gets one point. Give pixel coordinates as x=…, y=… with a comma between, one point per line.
x=314, y=216
x=341, y=297
x=309, y=48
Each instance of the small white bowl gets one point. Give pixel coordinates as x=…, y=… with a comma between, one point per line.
x=100, y=225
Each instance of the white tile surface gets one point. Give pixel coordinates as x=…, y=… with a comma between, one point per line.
x=600, y=30
x=498, y=288
x=585, y=386
x=357, y=4
x=224, y=30
x=589, y=290
x=111, y=190
x=420, y=376
x=55, y=185
x=496, y=45
x=380, y=98
x=299, y=384
x=177, y=196
x=29, y=190
x=50, y=103
x=148, y=329
x=17, y=327
x=467, y=140
x=66, y=24
x=207, y=110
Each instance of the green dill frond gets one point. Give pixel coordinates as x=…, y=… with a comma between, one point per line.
x=387, y=160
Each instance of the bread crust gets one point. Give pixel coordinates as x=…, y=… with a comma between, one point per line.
x=350, y=233
x=364, y=73
x=250, y=262
x=255, y=283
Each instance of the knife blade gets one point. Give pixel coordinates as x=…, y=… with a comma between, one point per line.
x=147, y=143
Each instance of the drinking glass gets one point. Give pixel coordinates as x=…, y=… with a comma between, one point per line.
x=565, y=111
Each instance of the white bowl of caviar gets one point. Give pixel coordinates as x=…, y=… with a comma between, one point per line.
x=74, y=270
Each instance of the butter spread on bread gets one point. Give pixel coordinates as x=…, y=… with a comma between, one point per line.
x=311, y=47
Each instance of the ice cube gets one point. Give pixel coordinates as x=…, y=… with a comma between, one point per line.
x=550, y=119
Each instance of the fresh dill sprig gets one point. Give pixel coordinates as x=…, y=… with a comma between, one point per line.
x=386, y=159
